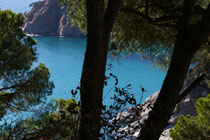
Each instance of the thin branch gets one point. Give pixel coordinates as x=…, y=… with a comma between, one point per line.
x=28, y=82
x=194, y=84
x=143, y=6
x=108, y=92
x=7, y=96
x=146, y=7
x=156, y=21
x=164, y=9
x=13, y=86
x=205, y=87
x=110, y=15
x=198, y=10
x=13, y=107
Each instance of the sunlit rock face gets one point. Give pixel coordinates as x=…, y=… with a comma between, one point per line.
x=49, y=18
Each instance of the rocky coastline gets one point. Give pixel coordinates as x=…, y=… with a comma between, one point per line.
x=130, y=122
x=48, y=18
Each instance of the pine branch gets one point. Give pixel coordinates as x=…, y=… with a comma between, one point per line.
x=110, y=15
x=194, y=84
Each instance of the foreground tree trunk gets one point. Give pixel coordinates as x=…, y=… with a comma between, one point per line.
x=100, y=23
x=189, y=40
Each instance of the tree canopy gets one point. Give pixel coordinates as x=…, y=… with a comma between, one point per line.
x=21, y=87
x=145, y=27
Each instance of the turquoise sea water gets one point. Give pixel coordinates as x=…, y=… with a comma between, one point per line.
x=64, y=57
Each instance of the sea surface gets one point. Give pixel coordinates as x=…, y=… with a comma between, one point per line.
x=64, y=57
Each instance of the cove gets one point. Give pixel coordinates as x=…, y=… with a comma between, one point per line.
x=64, y=57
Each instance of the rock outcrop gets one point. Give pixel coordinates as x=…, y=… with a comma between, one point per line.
x=130, y=121
x=49, y=18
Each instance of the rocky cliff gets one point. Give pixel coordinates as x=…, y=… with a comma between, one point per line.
x=48, y=18
x=130, y=121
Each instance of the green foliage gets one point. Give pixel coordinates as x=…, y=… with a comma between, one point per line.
x=20, y=86
x=59, y=120
x=194, y=127
x=145, y=27
x=149, y=28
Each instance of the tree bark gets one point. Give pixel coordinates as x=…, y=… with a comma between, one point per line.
x=189, y=39
x=92, y=74
x=100, y=24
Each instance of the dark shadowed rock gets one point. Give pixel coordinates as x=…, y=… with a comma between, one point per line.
x=48, y=18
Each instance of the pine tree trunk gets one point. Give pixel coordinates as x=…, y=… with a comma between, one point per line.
x=167, y=98
x=93, y=72
x=189, y=40
x=100, y=24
